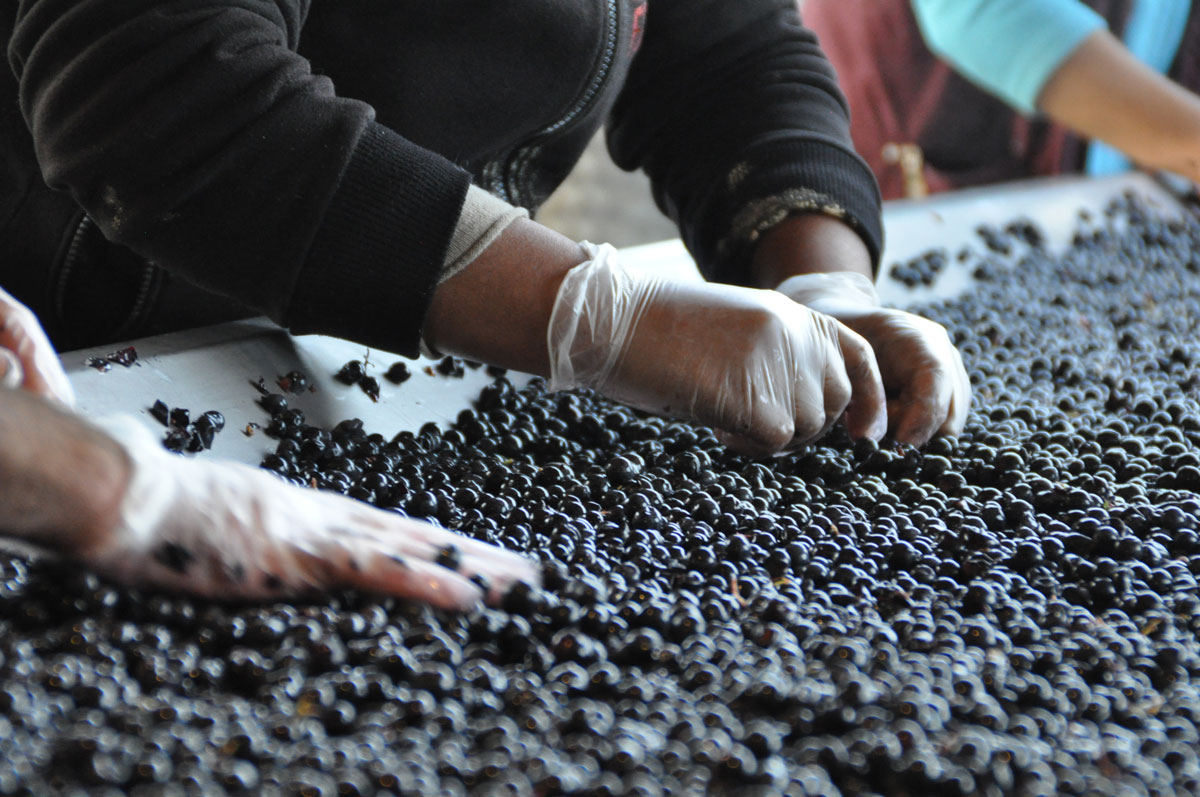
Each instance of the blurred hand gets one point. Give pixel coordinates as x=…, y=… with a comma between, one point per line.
x=225, y=530
x=1103, y=91
x=764, y=371
x=928, y=388
x=27, y=359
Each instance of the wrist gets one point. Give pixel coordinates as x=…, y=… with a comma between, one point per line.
x=99, y=487
x=497, y=309
x=62, y=481
x=841, y=294
x=808, y=243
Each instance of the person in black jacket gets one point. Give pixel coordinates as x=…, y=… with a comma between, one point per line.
x=362, y=169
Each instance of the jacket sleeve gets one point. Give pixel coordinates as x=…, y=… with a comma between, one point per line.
x=735, y=114
x=192, y=132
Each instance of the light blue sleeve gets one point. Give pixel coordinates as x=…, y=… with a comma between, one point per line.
x=1008, y=47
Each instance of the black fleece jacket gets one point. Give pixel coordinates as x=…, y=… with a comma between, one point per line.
x=308, y=159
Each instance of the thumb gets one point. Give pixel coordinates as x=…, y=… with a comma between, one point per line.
x=11, y=373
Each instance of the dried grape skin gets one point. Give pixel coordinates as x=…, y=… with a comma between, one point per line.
x=450, y=366
x=176, y=440
x=351, y=373
x=126, y=357
x=161, y=413
x=398, y=373
x=213, y=418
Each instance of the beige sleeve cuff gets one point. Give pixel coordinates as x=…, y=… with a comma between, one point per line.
x=483, y=219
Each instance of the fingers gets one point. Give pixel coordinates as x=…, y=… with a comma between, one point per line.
x=754, y=446
x=923, y=406
x=494, y=568
x=49, y=379
x=923, y=372
x=935, y=401
x=221, y=529
x=21, y=334
x=960, y=400
x=391, y=574
x=832, y=373
x=414, y=559
x=866, y=412
x=935, y=391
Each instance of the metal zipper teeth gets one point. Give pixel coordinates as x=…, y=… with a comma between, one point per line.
x=68, y=263
x=610, y=51
x=142, y=299
x=527, y=152
x=71, y=259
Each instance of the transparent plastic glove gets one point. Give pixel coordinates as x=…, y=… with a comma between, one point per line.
x=226, y=530
x=37, y=367
x=12, y=375
x=929, y=391
x=765, y=371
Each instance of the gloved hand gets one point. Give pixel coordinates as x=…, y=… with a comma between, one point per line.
x=26, y=357
x=226, y=530
x=765, y=371
x=928, y=388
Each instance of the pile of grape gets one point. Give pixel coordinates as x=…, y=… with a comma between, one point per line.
x=1011, y=612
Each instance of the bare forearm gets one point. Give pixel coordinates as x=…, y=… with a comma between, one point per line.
x=498, y=309
x=61, y=481
x=808, y=243
x=1102, y=91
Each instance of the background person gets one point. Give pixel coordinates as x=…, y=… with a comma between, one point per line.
x=953, y=93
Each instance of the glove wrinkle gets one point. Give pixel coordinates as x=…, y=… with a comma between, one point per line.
x=764, y=371
x=918, y=361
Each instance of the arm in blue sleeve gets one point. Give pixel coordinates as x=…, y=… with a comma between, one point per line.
x=1008, y=47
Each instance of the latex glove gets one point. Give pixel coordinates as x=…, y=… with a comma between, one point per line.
x=928, y=388
x=12, y=375
x=764, y=371
x=30, y=361
x=226, y=530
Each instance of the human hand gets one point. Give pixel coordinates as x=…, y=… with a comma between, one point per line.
x=765, y=371
x=26, y=357
x=923, y=372
x=225, y=530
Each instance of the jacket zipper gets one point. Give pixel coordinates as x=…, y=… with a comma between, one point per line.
x=141, y=301
x=71, y=260
x=514, y=171
x=68, y=264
